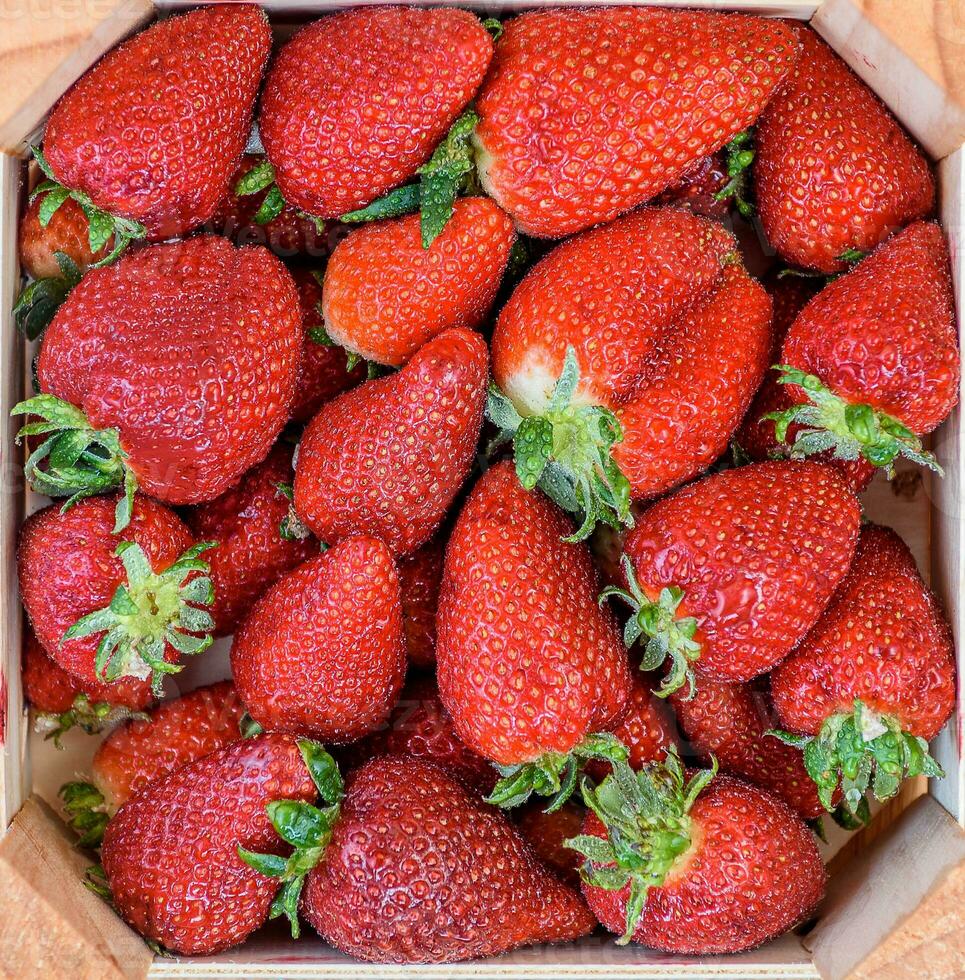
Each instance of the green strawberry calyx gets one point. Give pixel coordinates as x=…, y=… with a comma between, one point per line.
x=75, y=460
x=667, y=634
x=262, y=177
x=848, y=429
x=39, y=300
x=306, y=828
x=101, y=225
x=566, y=452
x=149, y=612
x=553, y=774
x=91, y=717
x=860, y=750
x=739, y=155
x=86, y=811
x=447, y=172
x=646, y=816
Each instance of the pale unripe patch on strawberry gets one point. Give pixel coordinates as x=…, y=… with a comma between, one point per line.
x=531, y=387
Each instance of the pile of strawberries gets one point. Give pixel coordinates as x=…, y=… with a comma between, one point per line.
x=522, y=531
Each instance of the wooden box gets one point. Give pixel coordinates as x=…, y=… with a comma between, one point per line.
x=894, y=907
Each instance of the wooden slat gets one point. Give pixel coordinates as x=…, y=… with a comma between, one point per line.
x=45, y=45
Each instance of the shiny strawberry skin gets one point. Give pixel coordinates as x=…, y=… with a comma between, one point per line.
x=728, y=722
x=528, y=662
x=834, y=170
x=547, y=834
x=385, y=295
x=698, y=187
x=420, y=576
x=67, y=567
x=883, y=639
x=588, y=113
x=252, y=555
x=356, y=102
x=177, y=731
x=884, y=334
x=753, y=873
x=323, y=370
x=669, y=331
x=170, y=854
x=190, y=350
x=420, y=727
x=758, y=551
x=156, y=128
x=66, y=232
x=48, y=687
x=444, y=877
x=289, y=234
x=322, y=651
x=387, y=458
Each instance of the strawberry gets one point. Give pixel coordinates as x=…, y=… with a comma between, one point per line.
x=728, y=722
x=874, y=680
x=170, y=855
x=588, y=113
x=414, y=868
x=355, y=102
x=172, y=370
x=756, y=437
x=144, y=750
x=529, y=666
x=147, y=140
x=547, y=834
x=695, y=864
x=322, y=651
x=103, y=608
x=324, y=369
x=385, y=295
x=287, y=234
x=703, y=188
x=725, y=576
x=65, y=232
x=835, y=173
x=420, y=726
x=626, y=358
x=420, y=576
x=254, y=550
x=873, y=359
x=61, y=702
x=387, y=458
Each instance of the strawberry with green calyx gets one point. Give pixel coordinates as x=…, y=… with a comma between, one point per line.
x=694, y=862
x=40, y=299
x=725, y=576
x=307, y=828
x=873, y=682
x=872, y=362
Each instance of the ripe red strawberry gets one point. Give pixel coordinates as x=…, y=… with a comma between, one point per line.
x=729, y=722
x=649, y=331
x=153, y=132
x=454, y=880
x=529, y=666
x=547, y=834
x=105, y=608
x=287, y=234
x=385, y=295
x=726, y=575
x=355, y=102
x=170, y=855
x=873, y=359
x=61, y=702
x=254, y=550
x=588, y=113
x=65, y=232
x=834, y=170
x=420, y=726
x=874, y=680
x=141, y=751
x=322, y=651
x=695, y=864
x=176, y=366
x=756, y=437
x=420, y=576
x=324, y=369
x=388, y=457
